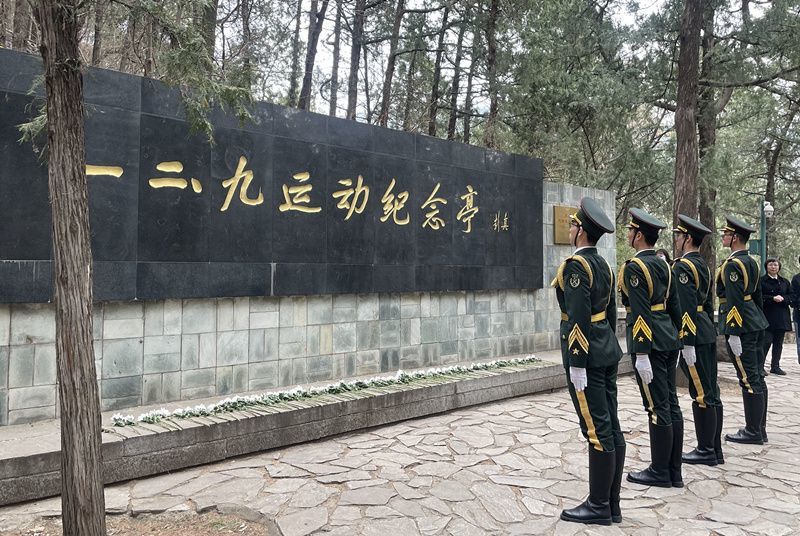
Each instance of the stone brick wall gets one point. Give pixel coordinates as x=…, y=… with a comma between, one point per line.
x=163, y=351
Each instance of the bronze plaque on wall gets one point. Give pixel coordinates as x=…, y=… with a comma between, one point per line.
x=561, y=224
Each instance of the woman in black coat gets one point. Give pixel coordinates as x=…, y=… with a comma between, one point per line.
x=776, y=292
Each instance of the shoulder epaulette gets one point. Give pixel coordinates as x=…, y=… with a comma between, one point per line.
x=559, y=279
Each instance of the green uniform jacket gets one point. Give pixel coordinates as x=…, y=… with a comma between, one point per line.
x=739, y=295
x=654, y=316
x=692, y=280
x=585, y=291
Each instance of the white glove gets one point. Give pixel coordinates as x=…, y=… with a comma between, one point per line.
x=689, y=356
x=736, y=345
x=577, y=376
x=644, y=368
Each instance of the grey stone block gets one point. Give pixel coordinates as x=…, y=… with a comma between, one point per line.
x=121, y=387
x=241, y=313
x=122, y=357
x=266, y=370
x=45, y=369
x=344, y=301
x=159, y=363
x=232, y=348
x=263, y=320
x=390, y=333
x=368, y=306
x=240, y=378
x=225, y=314
x=21, y=364
x=410, y=330
x=425, y=304
x=33, y=324
x=292, y=334
x=312, y=340
x=5, y=324
x=429, y=354
x=173, y=317
x=162, y=344
x=192, y=379
x=198, y=392
x=224, y=380
x=4, y=351
x=199, y=316
x=448, y=304
x=286, y=312
x=410, y=358
x=171, y=386
x=368, y=362
x=466, y=350
x=285, y=372
x=31, y=397
x=208, y=350
x=97, y=321
x=256, y=346
x=449, y=348
x=344, y=337
x=409, y=311
x=349, y=363
x=25, y=416
x=123, y=328
x=320, y=368
x=390, y=359
x=262, y=384
x=368, y=335
x=299, y=371
x=528, y=322
x=389, y=307
x=151, y=389
x=326, y=339
x=190, y=352
x=292, y=350
x=483, y=323
x=448, y=328
x=123, y=310
x=429, y=330
x=484, y=348
x=499, y=326
x=3, y=407
x=154, y=318
x=264, y=304
x=320, y=309
x=344, y=314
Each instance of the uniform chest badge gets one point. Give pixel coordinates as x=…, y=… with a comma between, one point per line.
x=683, y=278
x=574, y=280
x=734, y=277
x=634, y=281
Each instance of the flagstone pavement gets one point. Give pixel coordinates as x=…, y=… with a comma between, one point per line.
x=503, y=468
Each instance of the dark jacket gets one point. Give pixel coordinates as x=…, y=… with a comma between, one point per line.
x=796, y=297
x=777, y=313
x=586, y=295
x=692, y=282
x=739, y=293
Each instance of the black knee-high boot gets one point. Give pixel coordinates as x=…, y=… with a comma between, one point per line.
x=718, y=435
x=675, y=474
x=753, y=414
x=660, y=451
x=705, y=425
x=596, y=509
x=764, y=418
x=616, y=484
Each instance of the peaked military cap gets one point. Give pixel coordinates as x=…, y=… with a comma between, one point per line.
x=735, y=225
x=644, y=222
x=592, y=218
x=692, y=227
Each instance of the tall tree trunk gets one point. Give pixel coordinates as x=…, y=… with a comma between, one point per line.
x=451, y=124
x=315, y=22
x=686, y=158
x=82, y=501
x=386, y=93
x=491, y=67
x=412, y=65
x=295, y=74
x=97, y=45
x=337, y=38
x=437, y=74
x=125, y=54
x=708, y=109
x=772, y=157
x=355, y=56
x=21, y=25
x=5, y=40
x=468, y=96
x=210, y=30
x=149, y=46
x=366, y=86
x=247, y=52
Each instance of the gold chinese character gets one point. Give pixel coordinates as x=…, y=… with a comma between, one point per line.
x=233, y=182
x=496, y=222
x=431, y=218
x=469, y=209
x=173, y=182
x=393, y=204
x=299, y=195
x=505, y=222
x=111, y=171
x=359, y=194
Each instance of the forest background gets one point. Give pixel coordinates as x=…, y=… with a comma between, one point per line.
x=589, y=86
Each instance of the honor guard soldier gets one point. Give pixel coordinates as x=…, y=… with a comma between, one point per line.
x=742, y=321
x=692, y=281
x=591, y=354
x=652, y=333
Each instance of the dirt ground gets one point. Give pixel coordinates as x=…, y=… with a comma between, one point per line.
x=169, y=524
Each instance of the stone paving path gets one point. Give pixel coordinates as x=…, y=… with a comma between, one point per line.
x=502, y=468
